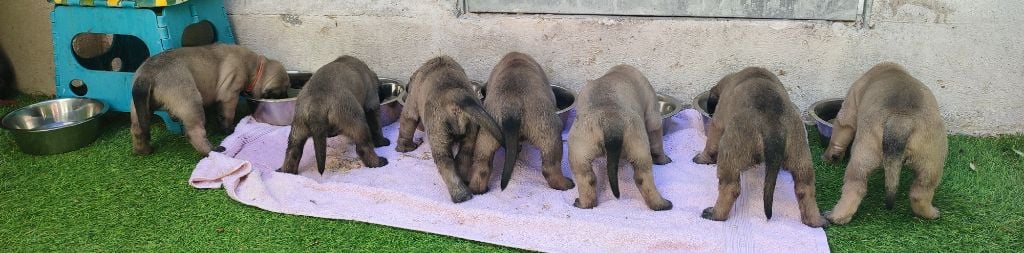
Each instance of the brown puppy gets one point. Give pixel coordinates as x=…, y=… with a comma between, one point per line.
x=340, y=98
x=756, y=122
x=895, y=119
x=615, y=113
x=440, y=97
x=521, y=100
x=185, y=80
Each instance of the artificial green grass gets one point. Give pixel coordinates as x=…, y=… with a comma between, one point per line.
x=103, y=198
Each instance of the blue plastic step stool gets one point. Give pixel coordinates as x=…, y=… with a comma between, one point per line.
x=140, y=29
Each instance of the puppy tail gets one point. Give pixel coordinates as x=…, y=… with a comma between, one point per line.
x=774, y=154
x=320, y=149
x=471, y=106
x=894, y=142
x=613, y=150
x=511, y=125
x=141, y=92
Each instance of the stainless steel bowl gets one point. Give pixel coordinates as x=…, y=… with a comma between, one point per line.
x=55, y=126
x=668, y=106
x=700, y=103
x=278, y=112
x=823, y=112
x=565, y=101
x=298, y=78
x=392, y=92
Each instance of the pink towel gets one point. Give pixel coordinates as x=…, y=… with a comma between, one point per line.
x=408, y=193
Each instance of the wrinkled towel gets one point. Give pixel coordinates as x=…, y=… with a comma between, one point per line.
x=408, y=193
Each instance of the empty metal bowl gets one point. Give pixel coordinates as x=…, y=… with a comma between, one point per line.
x=55, y=126
x=278, y=112
x=824, y=112
x=391, y=92
x=700, y=103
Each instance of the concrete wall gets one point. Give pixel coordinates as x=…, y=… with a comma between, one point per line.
x=25, y=36
x=967, y=52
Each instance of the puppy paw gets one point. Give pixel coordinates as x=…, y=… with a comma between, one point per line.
x=142, y=150
x=382, y=142
x=479, y=189
x=931, y=214
x=577, y=204
x=563, y=184
x=219, y=149
x=817, y=221
x=662, y=159
x=406, y=145
x=832, y=218
x=703, y=159
x=708, y=213
x=461, y=195
x=381, y=162
x=291, y=171
x=664, y=205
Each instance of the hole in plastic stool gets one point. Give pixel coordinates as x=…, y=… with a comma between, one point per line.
x=98, y=51
x=78, y=87
x=198, y=34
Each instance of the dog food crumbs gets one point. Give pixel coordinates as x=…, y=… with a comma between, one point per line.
x=973, y=167
x=312, y=201
x=220, y=230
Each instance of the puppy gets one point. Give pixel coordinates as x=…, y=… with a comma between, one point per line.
x=891, y=118
x=185, y=80
x=440, y=97
x=6, y=79
x=617, y=116
x=755, y=122
x=340, y=98
x=521, y=100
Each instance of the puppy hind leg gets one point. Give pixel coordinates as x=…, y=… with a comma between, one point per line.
x=582, y=151
x=483, y=155
x=373, y=122
x=803, y=183
x=922, y=190
x=140, y=135
x=360, y=134
x=296, y=141
x=729, y=166
x=863, y=160
x=658, y=146
x=440, y=148
x=467, y=147
x=550, y=145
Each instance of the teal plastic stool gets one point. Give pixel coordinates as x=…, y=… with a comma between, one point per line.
x=140, y=29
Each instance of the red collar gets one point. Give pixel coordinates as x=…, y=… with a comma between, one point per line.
x=256, y=79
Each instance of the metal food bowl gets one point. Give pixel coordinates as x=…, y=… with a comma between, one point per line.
x=824, y=112
x=392, y=93
x=700, y=103
x=55, y=126
x=668, y=106
x=565, y=100
x=298, y=78
x=278, y=112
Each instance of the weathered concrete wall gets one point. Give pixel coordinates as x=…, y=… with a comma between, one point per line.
x=25, y=36
x=967, y=52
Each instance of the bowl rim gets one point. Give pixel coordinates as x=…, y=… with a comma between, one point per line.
x=814, y=115
x=274, y=100
x=103, y=110
x=400, y=98
x=673, y=100
x=695, y=104
x=574, y=98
